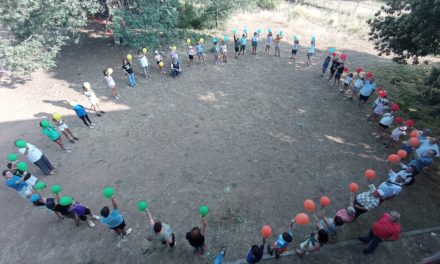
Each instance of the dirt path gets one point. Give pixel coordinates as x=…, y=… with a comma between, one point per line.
x=251, y=138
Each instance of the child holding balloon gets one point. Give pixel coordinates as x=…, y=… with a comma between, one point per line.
x=63, y=128
x=280, y=245
x=94, y=102
x=161, y=232
x=81, y=113
x=236, y=46
x=53, y=135
x=324, y=65
x=347, y=83
x=277, y=42
x=144, y=62
x=196, y=237
x=128, y=70
x=312, y=243
x=191, y=53
x=243, y=41
x=338, y=73
x=255, y=43
x=114, y=220
x=216, y=52
x=111, y=83
x=159, y=60
x=295, y=47
x=255, y=254
x=310, y=51
x=356, y=87
x=269, y=40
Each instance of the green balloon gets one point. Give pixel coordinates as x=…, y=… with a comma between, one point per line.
x=55, y=189
x=107, y=192
x=22, y=166
x=12, y=157
x=66, y=200
x=203, y=210
x=20, y=143
x=142, y=205
x=45, y=123
x=40, y=186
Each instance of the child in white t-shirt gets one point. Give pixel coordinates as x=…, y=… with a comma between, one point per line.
x=62, y=127
x=191, y=53
x=356, y=87
x=384, y=123
x=347, y=83
x=224, y=51
x=144, y=63
x=159, y=60
x=378, y=110
x=111, y=83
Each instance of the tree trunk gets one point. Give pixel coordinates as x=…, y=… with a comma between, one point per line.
x=216, y=18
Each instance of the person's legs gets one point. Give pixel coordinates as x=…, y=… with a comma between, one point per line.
x=83, y=118
x=367, y=238
x=70, y=133
x=88, y=119
x=375, y=241
x=144, y=69
x=133, y=78
x=173, y=243
x=43, y=166
x=60, y=143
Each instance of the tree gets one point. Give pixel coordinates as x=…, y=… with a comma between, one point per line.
x=407, y=29
x=37, y=29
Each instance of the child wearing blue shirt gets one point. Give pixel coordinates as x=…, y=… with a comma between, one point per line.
x=81, y=113
x=114, y=220
x=282, y=242
x=256, y=253
x=243, y=41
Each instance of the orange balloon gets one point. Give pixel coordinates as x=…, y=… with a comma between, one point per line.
x=414, y=133
x=325, y=201
x=266, y=231
x=302, y=219
x=370, y=174
x=414, y=142
x=353, y=187
x=402, y=153
x=309, y=205
x=393, y=158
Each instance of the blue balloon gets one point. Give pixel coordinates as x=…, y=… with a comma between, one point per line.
x=225, y=38
x=214, y=40
x=331, y=50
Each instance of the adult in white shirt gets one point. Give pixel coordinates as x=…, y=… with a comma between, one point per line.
x=35, y=155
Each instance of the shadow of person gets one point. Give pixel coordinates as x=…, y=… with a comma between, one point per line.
x=60, y=103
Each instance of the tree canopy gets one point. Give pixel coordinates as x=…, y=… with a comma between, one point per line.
x=407, y=29
x=37, y=29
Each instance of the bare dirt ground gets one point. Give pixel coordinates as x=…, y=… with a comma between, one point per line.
x=252, y=138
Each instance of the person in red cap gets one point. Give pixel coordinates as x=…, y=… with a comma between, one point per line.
x=387, y=228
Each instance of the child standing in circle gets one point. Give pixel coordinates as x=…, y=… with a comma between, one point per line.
x=269, y=41
x=128, y=70
x=255, y=43
x=357, y=87
x=191, y=53
x=161, y=232
x=338, y=73
x=325, y=65
x=53, y=135
x=243, y=41
x=81, y=113
x=63, y=128
x=111, y=83
x=236, y=46
x=159, y=61
x=277, y=41
x=347, y=83
x=87, y=90
x=200, y=52
x=216, y=53
x=295, y=47
x=224, y=51
x=144, y=63
x=310, y=52
x=196, y=237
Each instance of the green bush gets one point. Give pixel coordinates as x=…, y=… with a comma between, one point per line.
x=267, y=4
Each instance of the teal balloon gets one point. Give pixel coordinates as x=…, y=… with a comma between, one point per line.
x=214, y=40
x=269, y=30
x=12, y=157
x=225, y=38
x=203, y=210
x=281, y=33
x=107, y=192
x=259, y=31
x=22, y=166
x=40, y=186
x=331, y=50
x=295, y=37
x=245, y=30
x=55, y=188
x=142, y=205
x=66, y=200
x=234, y=31
x=313, y=38
x=20, y=143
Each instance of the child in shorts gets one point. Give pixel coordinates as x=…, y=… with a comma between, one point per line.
x=347, y=83
x=216, y=53
x=82, y=213
x=280, y=245
x=159, y=61
x=236, y=46
x=310, y=52
x=277, y=42
x=333, y=67
x=144, y=63
x=224, y=51
x=395, y=135
x=338, y=74
x=384, y=123
x=295, y=48
x=269, y=40
x=255, y=43
x=256, y=252
x=53, y=135
x=312, y=243
x=114, y=220
x=378, y=110
x=200, y=52
x=62, y=127
x=356, y=87
x=324, y=65
x=111, y=83
x=243, y=41
x=191, y=53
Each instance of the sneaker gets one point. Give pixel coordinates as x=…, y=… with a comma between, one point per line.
x=91, y=224
x=98, y=115
x=95, y=217
x=75, y=138
x=51, y=173
x=91, y=126
x=102, y=112
x=72, y=141
x=299, y=253
x=68, y=151
x=128, y=232
x=269, y=250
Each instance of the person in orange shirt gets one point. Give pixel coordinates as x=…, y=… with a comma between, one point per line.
x=387, y=228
